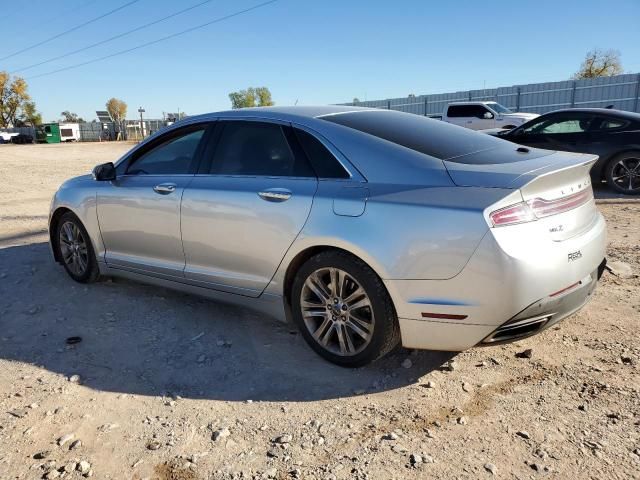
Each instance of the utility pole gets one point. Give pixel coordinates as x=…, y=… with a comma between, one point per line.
x=141, y=111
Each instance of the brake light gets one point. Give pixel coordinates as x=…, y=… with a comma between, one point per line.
x=544, y=208
x=518, y=213
x=536, y=208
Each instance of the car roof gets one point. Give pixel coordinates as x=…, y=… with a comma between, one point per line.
x=282, y=113
x=603, y=111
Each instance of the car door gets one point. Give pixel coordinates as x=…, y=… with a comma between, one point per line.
x=139, y=212
x=482, y=118
x=567, y=132
x=245, y=207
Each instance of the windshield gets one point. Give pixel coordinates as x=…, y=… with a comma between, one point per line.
x=498, y=108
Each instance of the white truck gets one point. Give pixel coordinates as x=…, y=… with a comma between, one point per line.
x=484, y=115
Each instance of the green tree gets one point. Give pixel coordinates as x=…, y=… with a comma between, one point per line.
x=71, y=117
x=29, y=116
x=251, y=97
x=14, y=97
x=600, y=63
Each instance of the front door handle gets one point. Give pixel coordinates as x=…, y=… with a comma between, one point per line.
x=275, y=195
x=165, y=188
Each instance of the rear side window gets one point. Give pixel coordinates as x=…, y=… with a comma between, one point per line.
x=435, y=138
x=459, y=111
x=256, y=149
x=611, y=124
x=560, y=125
x=322, y=160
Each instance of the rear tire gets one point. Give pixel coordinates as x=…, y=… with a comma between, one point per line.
x=343, y=309
x=623, y=173
x=75, y=250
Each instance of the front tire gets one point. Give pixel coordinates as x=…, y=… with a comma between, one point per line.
x=75, y=250
x=343, y=309
x=623, y=173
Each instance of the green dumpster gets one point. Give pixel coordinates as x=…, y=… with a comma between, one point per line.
x=48, y=133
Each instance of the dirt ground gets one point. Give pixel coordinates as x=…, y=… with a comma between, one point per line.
x=168, y=386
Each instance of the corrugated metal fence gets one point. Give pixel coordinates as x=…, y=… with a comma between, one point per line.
x=621, y=91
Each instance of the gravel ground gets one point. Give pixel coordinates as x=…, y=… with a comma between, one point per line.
x=172, y=387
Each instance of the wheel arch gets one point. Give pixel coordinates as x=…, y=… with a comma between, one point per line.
x=53, y=225
x=301, y=257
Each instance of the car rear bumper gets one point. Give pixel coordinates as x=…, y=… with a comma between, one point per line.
x=502, y=294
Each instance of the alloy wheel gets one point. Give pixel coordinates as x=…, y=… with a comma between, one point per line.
x=337, y=311
x=73, y=247
x=626, y=174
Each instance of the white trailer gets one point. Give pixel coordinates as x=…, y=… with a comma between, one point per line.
x=69, y=132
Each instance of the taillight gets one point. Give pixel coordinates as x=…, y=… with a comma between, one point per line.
x=538, y=208
x=518, y=213
x=544, y=208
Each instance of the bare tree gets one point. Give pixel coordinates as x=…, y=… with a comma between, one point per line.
x=600, y=63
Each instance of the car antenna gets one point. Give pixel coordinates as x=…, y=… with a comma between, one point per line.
x=609, y=107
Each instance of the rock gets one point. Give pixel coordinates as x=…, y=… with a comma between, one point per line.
x=65, y=439
x=74, y=378
x=153, y=445
x=33, y=406
x=415, y=458
x=271, y=473
x=52, y=474
x=83, y=467
x=462, y=420
x=466, y=387
x=620, y=269
x=70, y=467
x=431, y=384
x=390, y=436
x=407, y=363
x=524, y=434
x=42, y=455
x=285, y=438
x=75, y=444
x=427, y=459
x=528, y=353
x=450, y=366
x=490, y=467
x=220, y=434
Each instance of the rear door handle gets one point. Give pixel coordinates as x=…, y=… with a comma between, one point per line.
x=275, y=195
x=165, y=188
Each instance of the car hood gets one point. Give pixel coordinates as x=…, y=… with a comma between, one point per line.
x=505, y=167
x=526, y=116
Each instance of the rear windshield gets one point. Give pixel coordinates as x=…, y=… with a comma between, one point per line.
x=432, y=137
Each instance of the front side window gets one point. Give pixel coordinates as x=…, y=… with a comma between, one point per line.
x=496, y=107
x=256, y=149
x=561, y=125
x=176, y=156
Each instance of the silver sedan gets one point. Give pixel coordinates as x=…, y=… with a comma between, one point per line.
x=366, y=228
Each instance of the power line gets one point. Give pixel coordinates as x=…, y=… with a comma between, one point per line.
x=70, y=30
x=152, y=42
x=115, y=37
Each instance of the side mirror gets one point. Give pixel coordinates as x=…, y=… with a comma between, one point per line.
x=487, y=116
x=104, y=172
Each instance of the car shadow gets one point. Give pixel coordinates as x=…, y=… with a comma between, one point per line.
x=148, y=340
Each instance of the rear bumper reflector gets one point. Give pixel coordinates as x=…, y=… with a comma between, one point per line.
x=555, y=294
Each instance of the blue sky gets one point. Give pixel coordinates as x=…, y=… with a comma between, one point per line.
x=312, y=52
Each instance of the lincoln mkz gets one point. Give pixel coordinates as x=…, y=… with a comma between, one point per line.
x=366, y=228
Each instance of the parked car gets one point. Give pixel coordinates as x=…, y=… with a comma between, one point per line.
x=365, y=227
x=613, y=135
x=15, y=137
x=484, y=115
